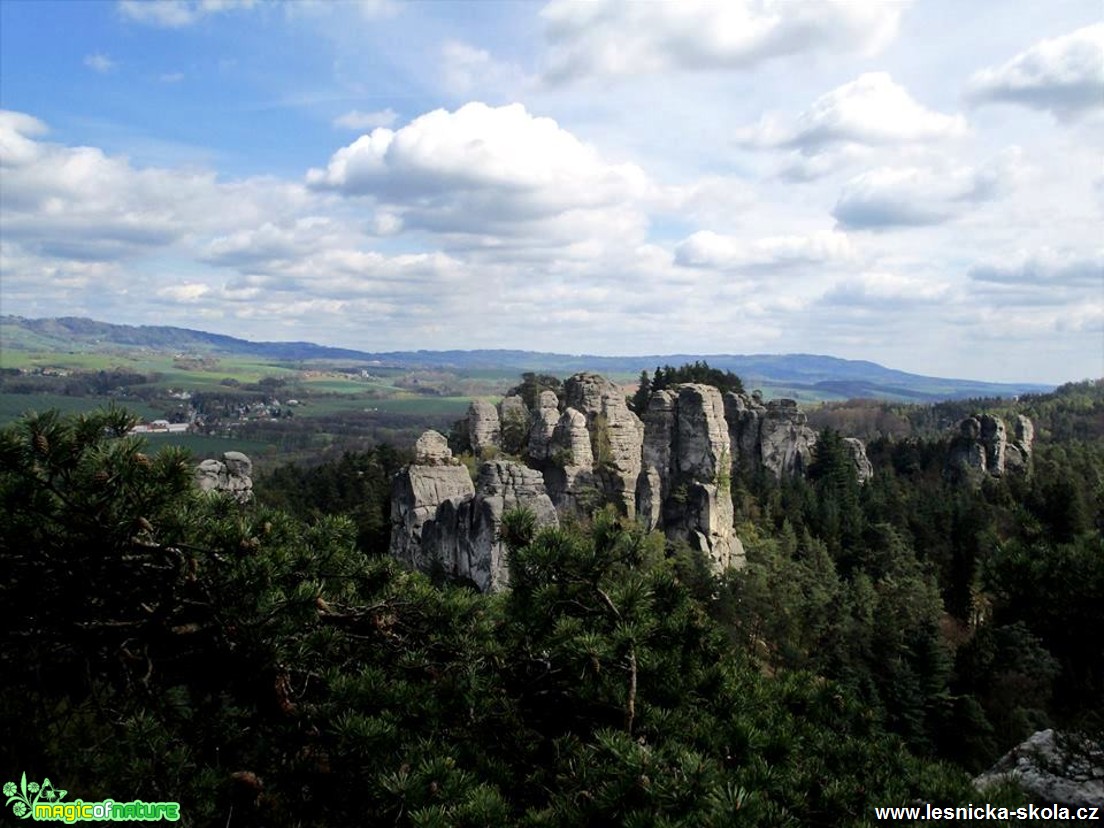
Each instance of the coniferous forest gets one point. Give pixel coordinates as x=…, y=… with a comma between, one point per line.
x=268, y=664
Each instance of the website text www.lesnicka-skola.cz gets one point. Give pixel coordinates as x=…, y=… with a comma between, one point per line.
x=935, y=813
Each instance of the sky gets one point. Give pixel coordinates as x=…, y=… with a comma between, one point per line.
x=920, y=184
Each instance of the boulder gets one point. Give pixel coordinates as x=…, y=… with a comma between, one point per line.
x=1052, y=769
x=431, y=449
x=231, y=476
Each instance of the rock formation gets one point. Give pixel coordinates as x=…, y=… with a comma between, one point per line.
x=671, y=468
x=1052, y=770
x=982, y=447
x=616, y=436
x=864, y=469
x=232, y=476
x=483, y=426
x=683, y=488
x=418, y=491
x=464, y=534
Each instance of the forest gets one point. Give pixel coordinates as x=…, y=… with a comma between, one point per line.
x=268, y=664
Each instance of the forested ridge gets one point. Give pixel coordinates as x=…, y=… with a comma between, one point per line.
x=268, y=664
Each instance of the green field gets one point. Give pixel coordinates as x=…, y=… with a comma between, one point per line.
x=203, y=447
x=14, y=406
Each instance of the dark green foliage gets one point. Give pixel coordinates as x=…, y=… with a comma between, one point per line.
x=699, y=371
x=265, y=671
x=531, y=386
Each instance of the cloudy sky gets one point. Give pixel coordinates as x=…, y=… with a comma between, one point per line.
x=915, y=183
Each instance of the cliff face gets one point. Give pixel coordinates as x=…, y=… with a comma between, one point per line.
x=671, y=468
x=983, y=447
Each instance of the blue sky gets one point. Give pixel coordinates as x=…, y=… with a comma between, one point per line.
x=916, y=183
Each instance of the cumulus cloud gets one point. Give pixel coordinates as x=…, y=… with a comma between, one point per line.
x=708, y=249
x=888, y=197
x=881, y=290
x=869, y=110
x=177, y=14
x=355, y=119
x=617, y=38
x=1045, y=269
x=1063, y=75
x=99, y=62
x=80, y=203
x=481, y=166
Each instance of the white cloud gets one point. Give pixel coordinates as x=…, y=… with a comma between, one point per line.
x=708, y=249
x=177, y=14
x=617, y=38
x=1044, y=269
x=171, y=77
x=484, y=167
x=467, y=71
x=99, y=62
x=186, y=292
x=357, y=120
x=882, y=290
x=922, y=196
x=1064, y=75
x=869, y=110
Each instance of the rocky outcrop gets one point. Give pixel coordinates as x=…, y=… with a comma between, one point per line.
x=670, y=468
x=418, y=492
x=982, y=447
x=232, y=476
x=569, y=474
x=482, y=426
x=1053, y=770
x=616, y=436
x=864, y=469
x=464, y=534
x=683, y=487
x=542, y=425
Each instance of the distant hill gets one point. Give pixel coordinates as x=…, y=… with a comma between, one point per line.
x=804, y=375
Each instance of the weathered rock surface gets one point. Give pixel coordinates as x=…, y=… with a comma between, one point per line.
x=982, y=447
x=671, y=469
x=483, y=426
x=232, y=476
x=616, y=434
x=542, y=425
x=1051, y=769
x=864, y=469
x=569, y=475
x=464, y=534
x=683, y=487
x=418, y=491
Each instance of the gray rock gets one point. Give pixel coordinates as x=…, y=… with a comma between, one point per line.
x=683, y=487
x=1053, y=769
x=785, y=440
x=463, y=536
x=982, y=447
x=231, y=476
x=541, y=428
x=569, y=475
x=483, y=427
x=616, y=434
x=431, y=449
x=418, y=491
x=864, y=469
